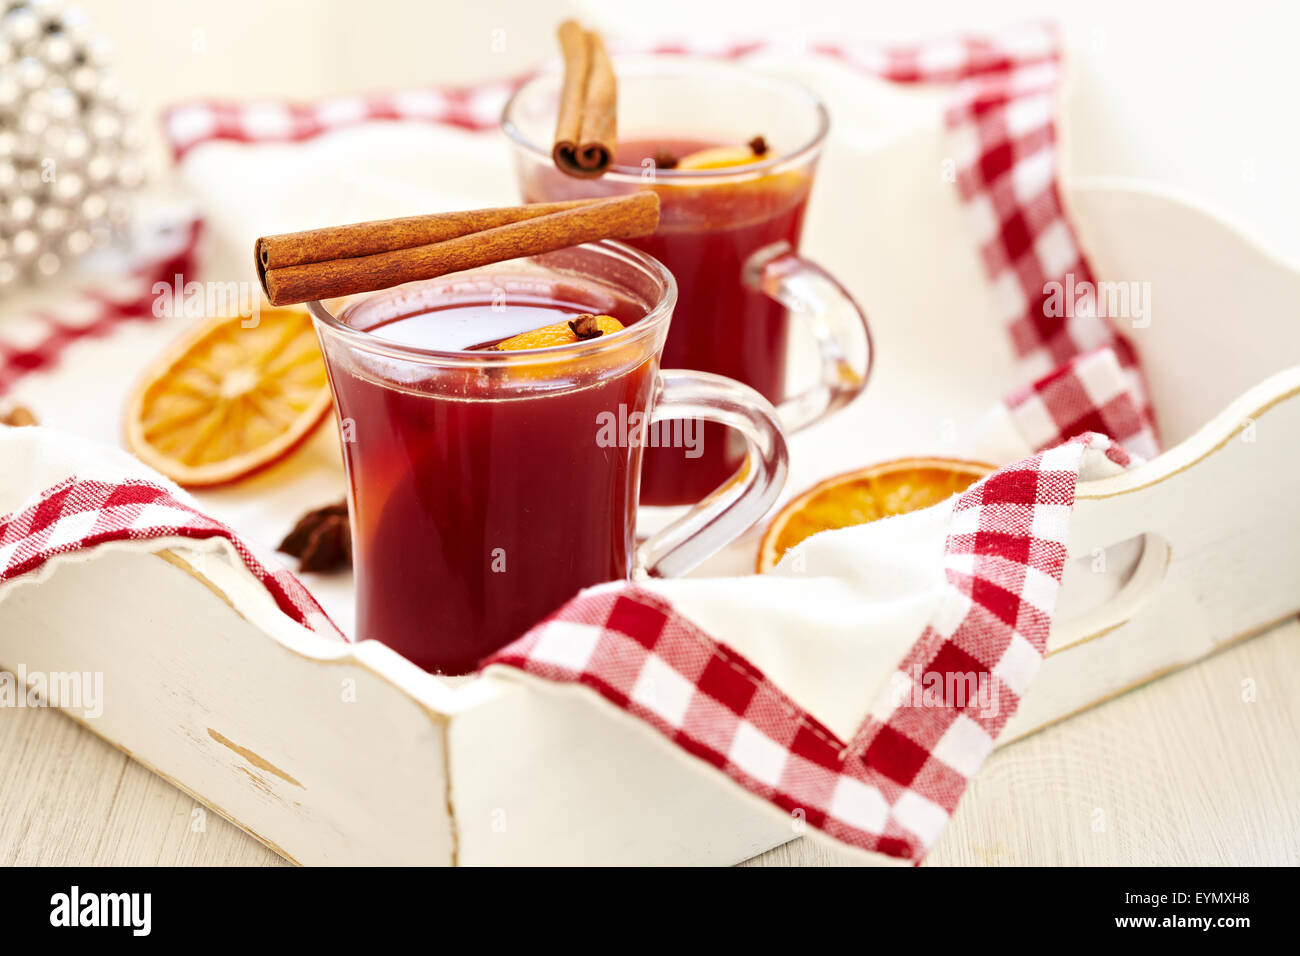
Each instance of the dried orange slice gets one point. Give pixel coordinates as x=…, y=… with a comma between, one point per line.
x=891, y=488
x=227, y=400
x=718, y=157
x=562, y=333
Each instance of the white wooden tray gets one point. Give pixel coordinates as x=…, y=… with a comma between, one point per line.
x=334, y=754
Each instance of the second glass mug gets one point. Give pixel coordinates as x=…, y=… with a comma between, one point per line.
x=488, y=487
x=728, y=235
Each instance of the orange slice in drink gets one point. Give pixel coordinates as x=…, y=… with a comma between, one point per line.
x=584, y=326
x=891, y=488
x=228, y=400
x=718, y=157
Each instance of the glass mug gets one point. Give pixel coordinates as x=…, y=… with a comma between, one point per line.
x=488, y=487
x=728, y=236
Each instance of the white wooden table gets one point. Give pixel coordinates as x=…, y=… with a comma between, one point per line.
x=1182, y=771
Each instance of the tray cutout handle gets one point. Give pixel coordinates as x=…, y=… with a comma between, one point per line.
x=1104, y=589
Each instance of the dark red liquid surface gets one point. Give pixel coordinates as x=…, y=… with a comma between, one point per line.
x=707, y=233
x=481, y=504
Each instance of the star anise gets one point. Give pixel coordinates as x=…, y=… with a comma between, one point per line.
x=321, y=540
x=18, y=416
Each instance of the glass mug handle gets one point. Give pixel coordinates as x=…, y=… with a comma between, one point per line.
x=836, y=321
x=731, y=508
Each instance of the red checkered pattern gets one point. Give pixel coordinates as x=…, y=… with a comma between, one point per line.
x=1087, y=394
x=1002, y=121
x=953, y=59
x=92, y=313
x=474, y=108
x=1003, y=127
x=77, y=514
x=892, y=788
x=479, y=107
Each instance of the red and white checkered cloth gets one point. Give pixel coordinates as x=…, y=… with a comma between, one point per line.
x=892, y=788
x=78, y=514
x=93, y=312
x=1002, y=124
x=1090, y=393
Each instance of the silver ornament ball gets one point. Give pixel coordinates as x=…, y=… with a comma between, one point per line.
x=69, y=151
x=21, y=26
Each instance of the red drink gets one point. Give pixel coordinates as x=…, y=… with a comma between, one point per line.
x=488, y=486
x=731, y=214
x=707, y=233
x=482, y=505
x=721, y=325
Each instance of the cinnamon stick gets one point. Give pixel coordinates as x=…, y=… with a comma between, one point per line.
x=364, y=257
x=586, y=130
x=388, y=235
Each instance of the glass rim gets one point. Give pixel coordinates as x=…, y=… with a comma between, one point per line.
x=648, y=65
x=644, y=328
